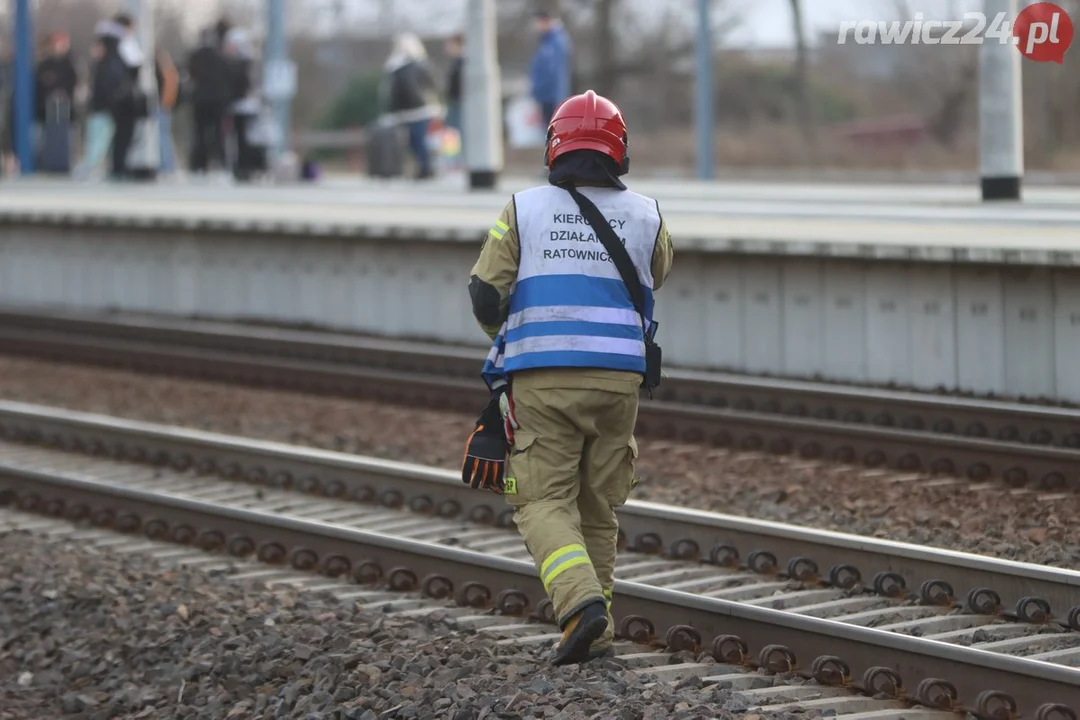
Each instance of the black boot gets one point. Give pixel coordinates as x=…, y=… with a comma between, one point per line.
x=581, y=630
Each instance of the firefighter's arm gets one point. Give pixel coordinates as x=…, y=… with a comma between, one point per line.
x=662, y=258
x=495, y=272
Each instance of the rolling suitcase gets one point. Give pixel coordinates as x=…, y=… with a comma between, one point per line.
x=56, y=136
x=385, y=154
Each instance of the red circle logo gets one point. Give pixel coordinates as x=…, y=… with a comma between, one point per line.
x=1043, y=32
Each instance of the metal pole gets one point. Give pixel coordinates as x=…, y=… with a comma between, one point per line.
x=482, y=109
x=1001, y=118
x=144, y=159
x=704, y=101
x=279, y=74
x=22, y=97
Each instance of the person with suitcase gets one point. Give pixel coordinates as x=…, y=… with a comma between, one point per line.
x=56, y=80
x=56, y=136
x=384, y=151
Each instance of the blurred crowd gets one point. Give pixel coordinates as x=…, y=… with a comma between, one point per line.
x=411, y=98
x=101, y=101
x=103, y=97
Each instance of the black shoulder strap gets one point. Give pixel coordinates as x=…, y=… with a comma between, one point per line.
x=615, y=249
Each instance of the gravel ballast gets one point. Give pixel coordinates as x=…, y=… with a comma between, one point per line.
x=955, y=514
x=100, y=635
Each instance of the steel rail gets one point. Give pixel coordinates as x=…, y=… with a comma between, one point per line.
x=911, y=432
x=1039, y=423
x=1028, y=591
x=943, y=675
x=522, y=632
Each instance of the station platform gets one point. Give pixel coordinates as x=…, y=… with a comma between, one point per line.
x=912, y=286
x=935, y=223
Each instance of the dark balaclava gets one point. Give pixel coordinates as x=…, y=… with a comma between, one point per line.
x=585, y=167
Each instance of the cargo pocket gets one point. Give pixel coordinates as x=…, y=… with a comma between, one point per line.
x=519, y=475
x=633, y=462
x=627, y=479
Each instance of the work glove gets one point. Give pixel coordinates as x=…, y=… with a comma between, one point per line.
x=506, y=411
x=484, y=467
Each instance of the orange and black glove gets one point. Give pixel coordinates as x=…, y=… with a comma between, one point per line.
x=484, y=467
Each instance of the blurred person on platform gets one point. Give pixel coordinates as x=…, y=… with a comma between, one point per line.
x=549, y=72
x=132, y=106
x=211, y=91
x=130, y=50
x=168, y=85
x=111, y=93
x=7, y=110
x=455, y=51
x=99, y=122
x=240, y=54
x=413, y=97
x=55, y=80
x=55, y=73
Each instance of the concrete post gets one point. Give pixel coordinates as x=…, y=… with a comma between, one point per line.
x=482, y=106
x=279, y=73
x=22, y=96
x=1001, y=119
x=144, y=159
x=703, y=110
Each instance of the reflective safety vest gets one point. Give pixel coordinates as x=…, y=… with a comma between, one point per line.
x=569, y=307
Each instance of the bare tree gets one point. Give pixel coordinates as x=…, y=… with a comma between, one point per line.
x=803, y=110
x=950, y=75
x=631, y=40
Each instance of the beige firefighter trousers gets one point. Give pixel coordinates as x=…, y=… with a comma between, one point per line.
x=571, y=465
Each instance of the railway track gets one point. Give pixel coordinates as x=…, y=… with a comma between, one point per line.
x=1024, y=444
x=951, y=630
x=772, y=694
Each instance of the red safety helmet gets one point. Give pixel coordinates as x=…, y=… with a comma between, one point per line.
x=588, y=122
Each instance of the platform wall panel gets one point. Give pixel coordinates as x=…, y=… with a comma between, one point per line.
x=888, y=324
x=723, y=316
x=185, y=276
x=1066, y=334
x=682, y=315
x=363, y=290
x=844, y=308
x=962, y=326
x=762, y=316
x=933, y=326
x=980, y=330
x=803, y=314
x=1029, y=332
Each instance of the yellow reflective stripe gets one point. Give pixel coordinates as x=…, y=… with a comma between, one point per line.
x=557, y=570
x=607, y=594
x=555, y=556
x=499, y=230
x=607, y=599
x=559, y=561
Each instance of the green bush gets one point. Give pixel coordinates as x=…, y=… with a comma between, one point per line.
x=357, y=106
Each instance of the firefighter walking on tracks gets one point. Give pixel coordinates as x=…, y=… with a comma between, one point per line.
x=564, y=287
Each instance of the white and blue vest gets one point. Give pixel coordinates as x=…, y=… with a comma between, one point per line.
x=569, y=308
